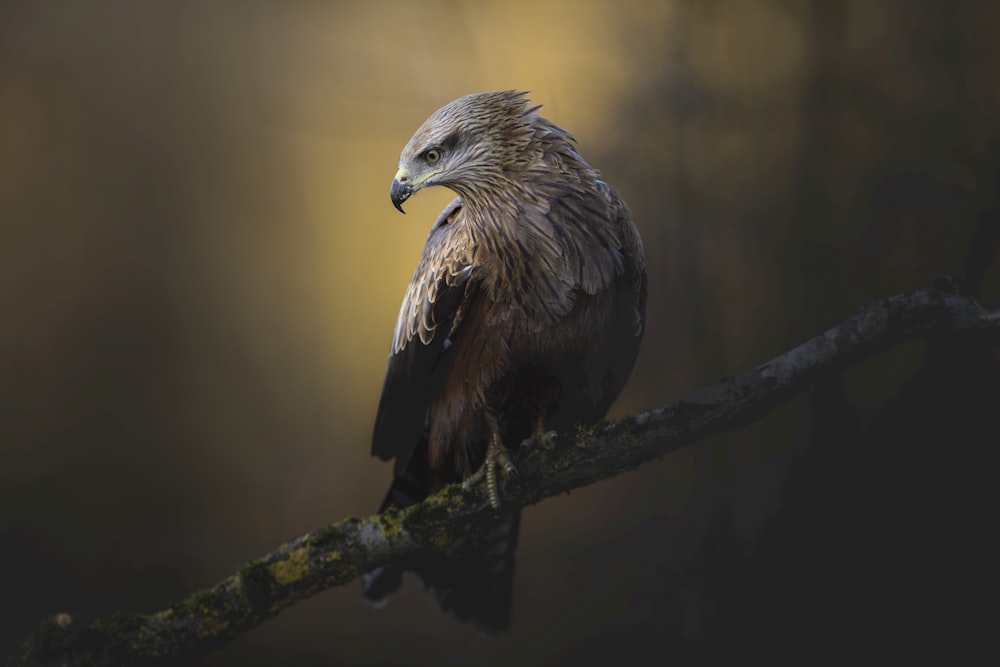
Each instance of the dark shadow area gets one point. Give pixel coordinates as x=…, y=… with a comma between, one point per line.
x=200, y=270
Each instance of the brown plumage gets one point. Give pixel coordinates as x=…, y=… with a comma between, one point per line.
x=524, y=313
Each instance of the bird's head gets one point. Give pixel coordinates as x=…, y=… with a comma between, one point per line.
x=468, y=145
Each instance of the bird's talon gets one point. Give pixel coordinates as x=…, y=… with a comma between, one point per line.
x=474, y=479
x=502, y=458
x=546, y=441
x=497, y=460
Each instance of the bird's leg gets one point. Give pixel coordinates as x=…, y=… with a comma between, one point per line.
x=496, y=455
x=540, y=437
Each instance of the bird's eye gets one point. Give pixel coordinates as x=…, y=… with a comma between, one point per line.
x=432, y=155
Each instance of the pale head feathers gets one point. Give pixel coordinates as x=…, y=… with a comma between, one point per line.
x=477, y=144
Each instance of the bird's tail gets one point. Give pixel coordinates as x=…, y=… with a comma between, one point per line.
x=474, y=583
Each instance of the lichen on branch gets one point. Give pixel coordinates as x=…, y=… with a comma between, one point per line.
x=341, y=552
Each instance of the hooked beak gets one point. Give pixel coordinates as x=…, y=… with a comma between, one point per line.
x=402, y=188
x=404, y=185
x=399, y=193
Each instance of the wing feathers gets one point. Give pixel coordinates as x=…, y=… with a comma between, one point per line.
x=440, y=292
x=543, y=257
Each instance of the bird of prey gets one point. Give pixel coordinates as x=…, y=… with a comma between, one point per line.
x=523, y=318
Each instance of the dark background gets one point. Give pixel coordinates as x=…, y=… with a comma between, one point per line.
x=200, y=270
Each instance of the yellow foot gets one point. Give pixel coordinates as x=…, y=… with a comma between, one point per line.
x=496, y=456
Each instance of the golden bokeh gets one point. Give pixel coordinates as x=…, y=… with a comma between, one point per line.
x=200, y=270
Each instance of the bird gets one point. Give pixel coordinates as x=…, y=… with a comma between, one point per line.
x=523, y=319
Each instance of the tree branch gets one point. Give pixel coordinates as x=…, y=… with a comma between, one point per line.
x=341, y=552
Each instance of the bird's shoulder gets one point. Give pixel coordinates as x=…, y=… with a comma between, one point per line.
x=571, y=235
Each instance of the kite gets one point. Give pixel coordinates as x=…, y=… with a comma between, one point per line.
x=523, y=319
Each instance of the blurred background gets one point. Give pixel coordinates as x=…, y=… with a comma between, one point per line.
x=200, y=270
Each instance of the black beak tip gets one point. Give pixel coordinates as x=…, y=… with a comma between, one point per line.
x=399, y=193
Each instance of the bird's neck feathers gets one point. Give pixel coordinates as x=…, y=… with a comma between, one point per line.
x=541, y=162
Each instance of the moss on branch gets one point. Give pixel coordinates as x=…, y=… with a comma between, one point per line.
x=339, y=553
